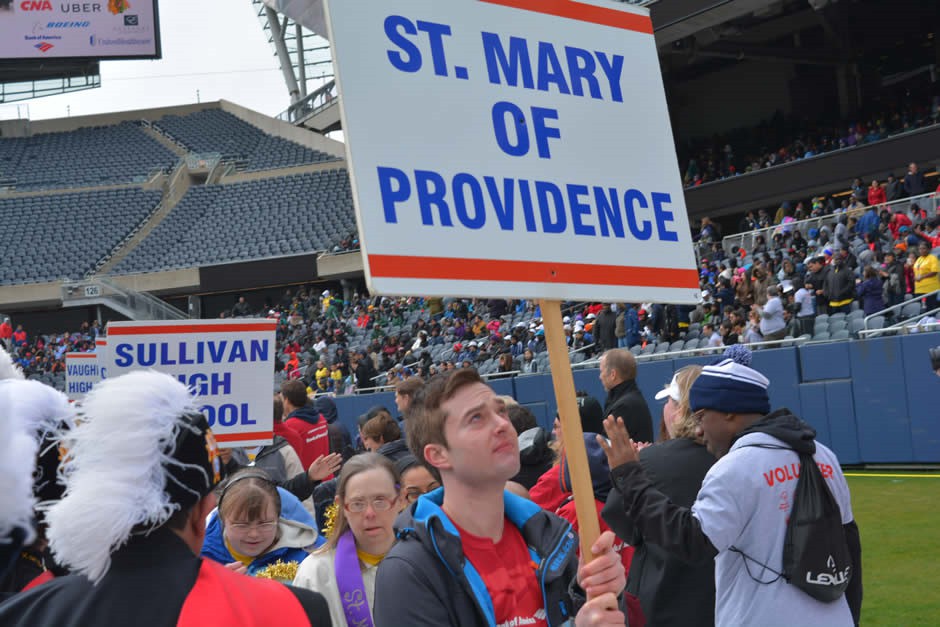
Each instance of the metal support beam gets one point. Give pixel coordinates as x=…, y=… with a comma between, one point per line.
x=301, y=64
x=742, y=51
x=277, y=34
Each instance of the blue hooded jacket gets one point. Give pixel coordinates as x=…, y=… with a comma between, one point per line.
x=300, y=524
x=425, y=578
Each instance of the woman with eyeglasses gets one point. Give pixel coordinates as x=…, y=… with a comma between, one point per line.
x=251, y=531
x=343, y=571
x=415, y=479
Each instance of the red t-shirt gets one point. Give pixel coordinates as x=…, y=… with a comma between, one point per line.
x=508, y=571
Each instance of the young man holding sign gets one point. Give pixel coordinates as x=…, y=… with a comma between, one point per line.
x=471, y=553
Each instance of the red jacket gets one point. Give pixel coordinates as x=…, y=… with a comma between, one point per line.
x=314, y=433
x=293, y=438
x=877, y=195
x=6, y=331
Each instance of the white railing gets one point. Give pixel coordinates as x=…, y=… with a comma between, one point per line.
x=898, y=307
x=905, y=326
x=746, y=240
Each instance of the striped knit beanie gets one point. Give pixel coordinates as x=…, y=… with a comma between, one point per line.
x=732, y=388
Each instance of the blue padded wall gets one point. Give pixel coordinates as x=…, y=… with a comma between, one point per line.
x=922, y=388
x=815, y=411
x=881, y=413
x=871, y=401
x=819, y=362
x=782, y=367
x=842, y=424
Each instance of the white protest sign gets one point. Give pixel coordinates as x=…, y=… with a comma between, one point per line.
x=82, y=371
x=229, y=364
x=514, y=148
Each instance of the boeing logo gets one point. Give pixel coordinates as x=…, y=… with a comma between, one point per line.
x=85, y=24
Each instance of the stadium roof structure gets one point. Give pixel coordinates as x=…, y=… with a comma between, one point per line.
x=306, y=61
x=22, y=79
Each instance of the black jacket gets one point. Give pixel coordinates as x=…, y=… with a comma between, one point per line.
x=148, y=583
x=680, y=533
x=340, y=440
x=535, y=456
x=676, y=467
x=394, y=450
x=840, y=284
x=605, y=326
x=625, y=401
x=425, y=579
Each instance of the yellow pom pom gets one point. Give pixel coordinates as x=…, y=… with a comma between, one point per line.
x=279, y=571
x=330, y=516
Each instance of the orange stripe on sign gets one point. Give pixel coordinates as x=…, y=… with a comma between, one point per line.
x=206, y=328
x=405, y=267
x=82, y=356
x=237, y=437
x=582, y=13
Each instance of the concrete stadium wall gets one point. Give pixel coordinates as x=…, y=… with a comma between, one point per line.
x=871, y=401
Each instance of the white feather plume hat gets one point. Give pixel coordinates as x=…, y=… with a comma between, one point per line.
x=30, y=415
x=141, y=451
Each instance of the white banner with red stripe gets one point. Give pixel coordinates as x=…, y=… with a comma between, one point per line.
x=229, y=364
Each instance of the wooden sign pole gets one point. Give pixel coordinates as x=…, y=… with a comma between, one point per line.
x=570, y=417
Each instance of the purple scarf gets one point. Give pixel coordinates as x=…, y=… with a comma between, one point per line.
x=352, y=590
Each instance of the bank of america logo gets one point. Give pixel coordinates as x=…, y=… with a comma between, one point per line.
x=44, y=47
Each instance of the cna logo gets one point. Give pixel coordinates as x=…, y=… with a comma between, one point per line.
x=44, y=47
x=35, y=5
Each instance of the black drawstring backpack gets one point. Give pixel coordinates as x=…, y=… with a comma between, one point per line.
x=815, y=552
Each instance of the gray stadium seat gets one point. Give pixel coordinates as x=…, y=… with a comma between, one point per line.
x=855, y=326
x=911, y=309
x=180, y=242
x=840, y=335
x=824, y=335
x=837, y=325
x=878, y=322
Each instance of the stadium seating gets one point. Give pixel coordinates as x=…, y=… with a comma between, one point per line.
x=214, y=130
x=87, y=157
x=268, y=218
x=51, y=237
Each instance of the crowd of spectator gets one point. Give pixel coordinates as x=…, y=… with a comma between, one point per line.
x=41, y=355
x=750, y=149
x=873, y=256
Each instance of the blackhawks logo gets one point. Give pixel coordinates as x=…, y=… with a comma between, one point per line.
x=118, y=6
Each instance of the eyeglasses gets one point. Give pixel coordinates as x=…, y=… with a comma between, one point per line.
x=266, y=526
x=379, y=504
x=413, y=494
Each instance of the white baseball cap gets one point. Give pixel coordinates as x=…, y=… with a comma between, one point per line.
x=670, y=391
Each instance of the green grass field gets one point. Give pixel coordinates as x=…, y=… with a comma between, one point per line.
x=899, y=520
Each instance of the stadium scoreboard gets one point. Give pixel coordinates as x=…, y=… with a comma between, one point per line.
x=100, y=29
